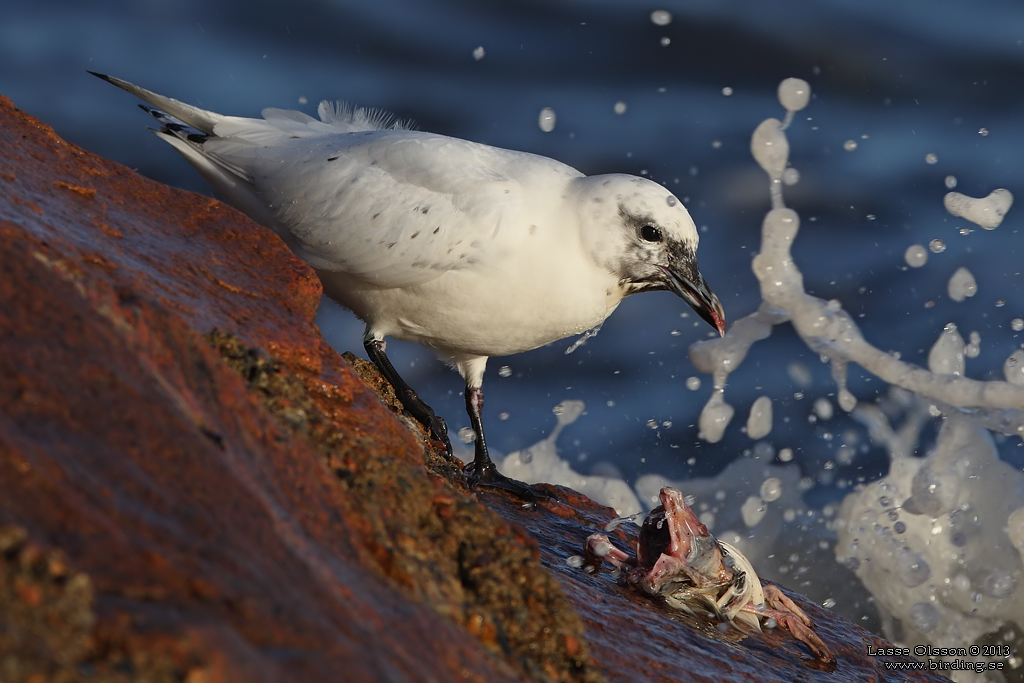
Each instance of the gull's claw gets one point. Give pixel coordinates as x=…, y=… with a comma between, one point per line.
x=487, y=474
x=438, y=429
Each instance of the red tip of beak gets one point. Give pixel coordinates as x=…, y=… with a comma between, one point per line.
x=718, y=315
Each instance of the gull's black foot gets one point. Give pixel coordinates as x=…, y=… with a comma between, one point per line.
x=487, y=474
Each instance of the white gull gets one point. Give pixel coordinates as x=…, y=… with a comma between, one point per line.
x=470, y=250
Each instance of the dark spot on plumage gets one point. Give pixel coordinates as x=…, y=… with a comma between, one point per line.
x=635, y=286
x=375, y=216
x=425, y=209
x=414, y=235
x=197, y=138
x=392, y=244
x=437, y=229
x=332, y=158
x=636, y=220
x=682, y=258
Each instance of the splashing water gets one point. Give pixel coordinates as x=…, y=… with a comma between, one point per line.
x=546, y=119
x=988, y=212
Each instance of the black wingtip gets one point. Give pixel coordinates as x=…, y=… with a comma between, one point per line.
x=99, y=75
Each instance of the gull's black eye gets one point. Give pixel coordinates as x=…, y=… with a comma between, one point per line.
x=650, y=233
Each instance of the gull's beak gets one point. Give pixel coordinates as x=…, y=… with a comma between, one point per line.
x=700, y=297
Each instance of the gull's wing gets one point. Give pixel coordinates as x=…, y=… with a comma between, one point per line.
x=393, y=208
x=356, y=192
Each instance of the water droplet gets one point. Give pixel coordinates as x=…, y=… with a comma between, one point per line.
x=794, y=94
x=899, y=527
x=467, y=435
x=999, y=584
x=1017, y=324
x=660, y=17
x=961, y=285
x=911, y=568
x=791, y=176
x=799, y=374
x=987, y=212
x=666, y=41
x=850, y=145
x=693, y=383
x=671, y=201
x=759, y=424
x=930, y=158
x=546, y=120
x=1000, y=303
x=303, y=99
x=620, y=107
x=727, y=91
x=915, y=256
x=1013, y=370
x=478, y=52
x=503, y=416
x=950, y=182
x=847, y=401
x=983, y=132
x=829, y=603
x=652, y=424
x=574, y=561
x=823, y=408
x=771, y=489
x=753, y=511
x=937, y=246
x=786, y=455
x=924, y=617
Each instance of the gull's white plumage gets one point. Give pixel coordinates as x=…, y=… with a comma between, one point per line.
x=472, y=250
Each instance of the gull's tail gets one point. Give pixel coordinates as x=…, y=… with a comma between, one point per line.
x=224, y=149
x=200, y=119
x=187, y=129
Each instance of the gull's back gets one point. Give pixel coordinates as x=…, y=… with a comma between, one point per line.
x=357, y=193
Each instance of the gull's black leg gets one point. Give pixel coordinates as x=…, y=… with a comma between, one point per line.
x=482, y=471
x=413, y=403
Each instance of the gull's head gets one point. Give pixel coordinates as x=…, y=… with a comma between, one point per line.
x=644, y=236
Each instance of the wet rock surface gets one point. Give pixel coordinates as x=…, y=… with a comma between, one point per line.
x=195, y=487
